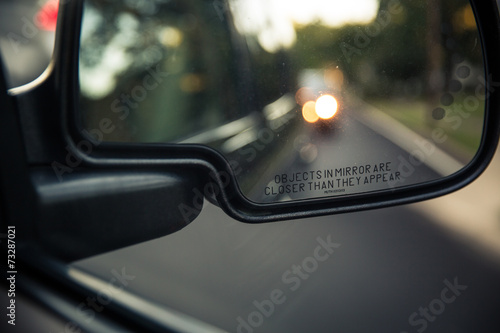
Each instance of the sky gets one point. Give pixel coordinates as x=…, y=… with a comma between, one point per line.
x=274, y=21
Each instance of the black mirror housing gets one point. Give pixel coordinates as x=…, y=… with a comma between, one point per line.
x=217, y=175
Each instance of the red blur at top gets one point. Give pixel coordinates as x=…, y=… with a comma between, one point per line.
x=46, y=18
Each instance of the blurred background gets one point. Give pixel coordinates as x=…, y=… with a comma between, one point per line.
x=389, y=264
x=27, y=40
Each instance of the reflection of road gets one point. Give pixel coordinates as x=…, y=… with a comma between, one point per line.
x=390, y=264
x=349, y=146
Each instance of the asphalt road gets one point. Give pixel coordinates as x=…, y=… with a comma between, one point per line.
x=386, y=268
x=366, y=159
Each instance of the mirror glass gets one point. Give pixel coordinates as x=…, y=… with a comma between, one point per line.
x=305, y=99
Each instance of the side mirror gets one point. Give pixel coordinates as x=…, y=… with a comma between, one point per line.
x=285, y=111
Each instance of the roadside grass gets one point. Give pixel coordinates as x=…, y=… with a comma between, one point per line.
x=462, y=127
